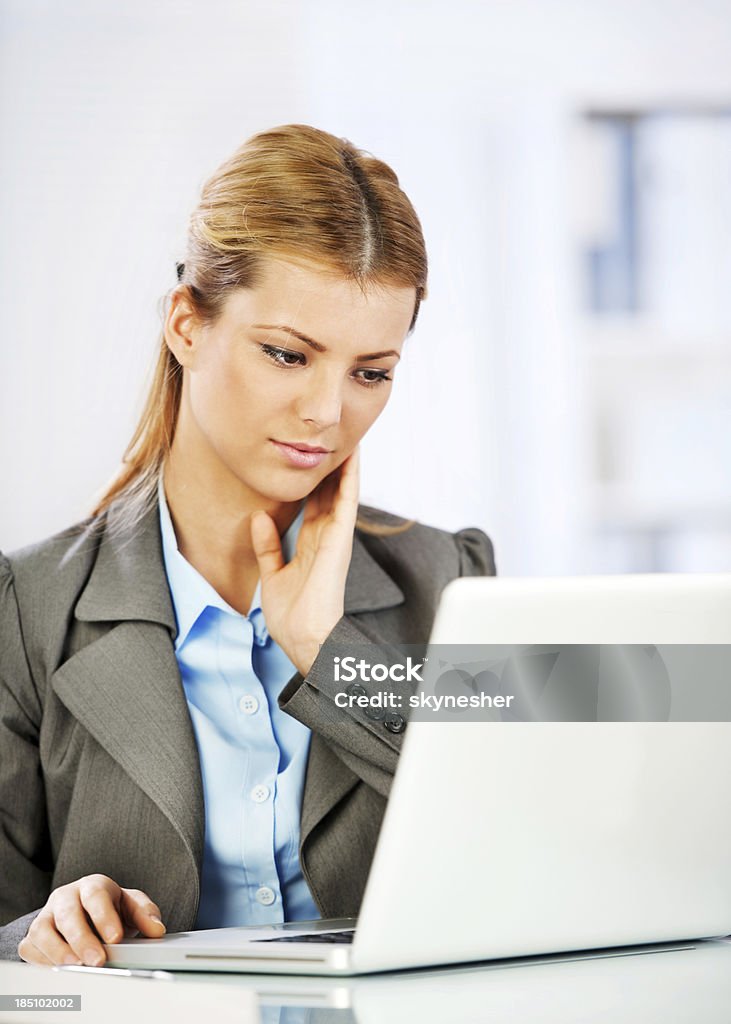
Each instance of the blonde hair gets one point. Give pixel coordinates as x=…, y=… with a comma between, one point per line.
x=296, y=193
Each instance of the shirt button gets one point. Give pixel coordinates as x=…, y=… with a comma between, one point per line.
x=249, y=704
x=394, y=723
x=259, y=794
x=265, y=895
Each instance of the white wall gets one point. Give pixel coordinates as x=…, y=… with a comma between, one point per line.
x=112, y=115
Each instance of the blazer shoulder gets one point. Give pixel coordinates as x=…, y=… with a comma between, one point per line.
x=67, y=552
x=466, y=552
x=40, y=583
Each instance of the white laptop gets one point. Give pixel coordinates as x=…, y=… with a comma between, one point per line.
x=508, y=837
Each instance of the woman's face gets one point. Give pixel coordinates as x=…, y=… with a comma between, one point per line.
x=304, y=359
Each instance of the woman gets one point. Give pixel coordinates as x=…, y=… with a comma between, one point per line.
x=172, y=753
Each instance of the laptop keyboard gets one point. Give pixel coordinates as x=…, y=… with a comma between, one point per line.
x=345, y=936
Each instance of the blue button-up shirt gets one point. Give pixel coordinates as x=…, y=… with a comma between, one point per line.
x=252, y=755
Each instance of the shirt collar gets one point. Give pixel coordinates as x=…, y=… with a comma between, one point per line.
x=192, y=593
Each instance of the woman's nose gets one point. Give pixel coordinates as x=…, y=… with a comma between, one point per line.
x=321, y=402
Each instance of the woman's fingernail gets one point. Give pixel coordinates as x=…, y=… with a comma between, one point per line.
x=72, y=961
x=155, y=918
x=92, y=958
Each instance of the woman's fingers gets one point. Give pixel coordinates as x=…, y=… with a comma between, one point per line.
x=68, y=929
x=32, y=955
x=139, y=911
x=338, y=491
x=29, y=952
x=346, y=502
x=100, y=898
x=302, y=601
x=44, y=945
x=266, y=543
x=313, y=505
x=63, y=933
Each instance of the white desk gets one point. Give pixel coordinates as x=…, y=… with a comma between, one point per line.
x=672, y=986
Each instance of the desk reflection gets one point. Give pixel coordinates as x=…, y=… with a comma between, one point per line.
x=672, y=984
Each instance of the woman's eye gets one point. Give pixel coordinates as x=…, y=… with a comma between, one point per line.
x=284, y=356
x=288, y=358
x=372, y=378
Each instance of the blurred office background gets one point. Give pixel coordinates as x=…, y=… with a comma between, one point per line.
x=568, y=387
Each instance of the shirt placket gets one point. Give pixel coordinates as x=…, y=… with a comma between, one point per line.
x=258, y=785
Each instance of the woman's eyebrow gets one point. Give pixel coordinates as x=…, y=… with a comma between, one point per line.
x=321, y=348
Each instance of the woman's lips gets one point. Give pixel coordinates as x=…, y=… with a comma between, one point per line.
x=299, y=457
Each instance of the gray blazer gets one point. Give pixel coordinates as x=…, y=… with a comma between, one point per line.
x=99, y=767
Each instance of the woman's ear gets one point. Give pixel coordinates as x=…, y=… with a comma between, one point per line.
x=182, y=328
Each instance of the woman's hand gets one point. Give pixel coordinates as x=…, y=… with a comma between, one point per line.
x=64, y=931
x=302, y=600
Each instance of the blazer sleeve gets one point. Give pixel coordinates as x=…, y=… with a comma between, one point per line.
x=25, y=870
x=362, y=743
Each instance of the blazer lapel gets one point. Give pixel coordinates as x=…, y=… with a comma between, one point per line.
x=328, y=780
x=368, y=587
x=125, y=687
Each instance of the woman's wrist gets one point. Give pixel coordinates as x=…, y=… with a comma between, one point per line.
x=303, y=657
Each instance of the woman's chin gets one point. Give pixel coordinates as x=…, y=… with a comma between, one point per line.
x=287, y=491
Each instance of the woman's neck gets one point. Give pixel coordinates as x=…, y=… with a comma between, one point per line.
x=211, y=513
